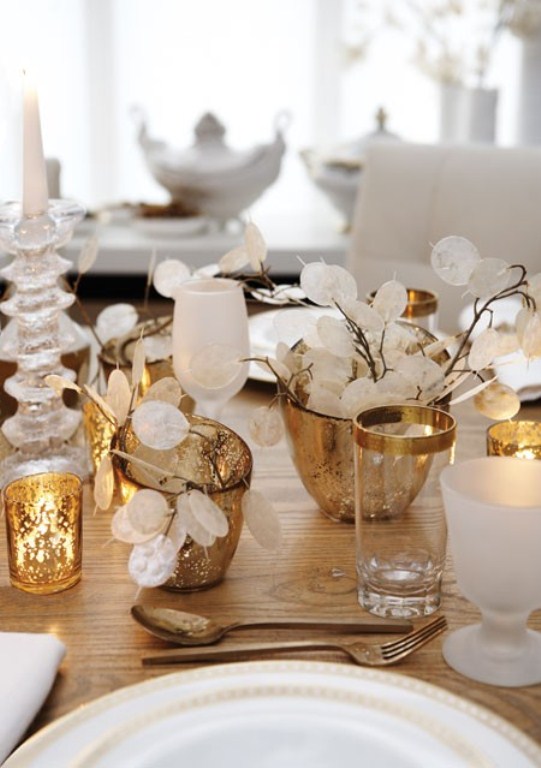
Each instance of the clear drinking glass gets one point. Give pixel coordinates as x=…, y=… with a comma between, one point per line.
x=493, y=509
x=209, y=312
x=400, y=451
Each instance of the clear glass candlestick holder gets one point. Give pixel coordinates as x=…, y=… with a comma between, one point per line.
x=42, y=425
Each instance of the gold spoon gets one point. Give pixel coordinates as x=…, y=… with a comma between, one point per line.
x=183, y=628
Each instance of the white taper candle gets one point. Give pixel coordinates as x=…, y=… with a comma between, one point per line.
x=35, y=193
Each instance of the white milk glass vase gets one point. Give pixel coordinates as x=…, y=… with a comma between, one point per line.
x=210, y=313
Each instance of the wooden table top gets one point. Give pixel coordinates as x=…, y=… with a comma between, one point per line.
x=313, y=576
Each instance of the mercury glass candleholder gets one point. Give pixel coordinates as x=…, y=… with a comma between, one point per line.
x=213, y=458
x=519, y=439
x=99, y=433
x=42, y=424
x=44, y=532
x=321, y=445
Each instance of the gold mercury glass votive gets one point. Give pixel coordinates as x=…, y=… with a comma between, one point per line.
x=321, y=445
x=213, y=458
x=519, y=439
x=44, y=532
x=99, y=433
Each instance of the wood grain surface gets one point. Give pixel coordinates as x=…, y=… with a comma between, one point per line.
x=313, y=576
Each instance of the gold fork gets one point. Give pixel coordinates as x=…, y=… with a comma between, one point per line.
x=365, y=654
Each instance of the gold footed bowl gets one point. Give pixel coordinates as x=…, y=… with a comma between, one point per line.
x=212, y=458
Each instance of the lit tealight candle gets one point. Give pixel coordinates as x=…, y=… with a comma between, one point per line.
x=519, y=439
x=44, y=531
x=35, y=193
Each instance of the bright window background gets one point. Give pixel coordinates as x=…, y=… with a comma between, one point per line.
x=246, y=61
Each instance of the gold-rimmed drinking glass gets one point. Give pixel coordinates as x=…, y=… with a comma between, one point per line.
x=421, y=308
x=399, y=452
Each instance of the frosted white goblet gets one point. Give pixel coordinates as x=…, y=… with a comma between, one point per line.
x=493, y=510
x=208, y=312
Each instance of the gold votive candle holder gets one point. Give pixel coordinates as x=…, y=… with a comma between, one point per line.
x=215, y=459
x=99, y=433
x=519, y=439
x=44, y=531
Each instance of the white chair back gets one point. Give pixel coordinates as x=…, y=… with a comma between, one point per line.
x=413, y=195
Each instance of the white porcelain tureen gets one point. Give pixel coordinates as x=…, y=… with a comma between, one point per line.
x=210, y=177
x=337, y=171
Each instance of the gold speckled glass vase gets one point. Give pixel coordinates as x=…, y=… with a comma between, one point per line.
x=217, y=460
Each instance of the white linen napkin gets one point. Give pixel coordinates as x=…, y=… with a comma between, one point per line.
x=28, y=666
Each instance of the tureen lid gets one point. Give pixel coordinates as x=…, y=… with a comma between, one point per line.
x=208, y=153
x=209, y=128
x=353, y=152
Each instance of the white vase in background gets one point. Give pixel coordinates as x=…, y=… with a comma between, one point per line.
x=529, y=100
x=451, y=113
x=467, y=115
x=481, y=111
x=524, y=22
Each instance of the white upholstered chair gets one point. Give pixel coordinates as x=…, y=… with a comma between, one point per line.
x=413, y=195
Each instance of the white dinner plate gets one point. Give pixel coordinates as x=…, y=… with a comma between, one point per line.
x=264, y=336
x=263, y=340
x=522, y=375
x=278, y=715
x=504, y=313
x=170, y=227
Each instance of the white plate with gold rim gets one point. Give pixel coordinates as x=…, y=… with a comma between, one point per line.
x=170, y=227
x=264, y=335
x=279, y=714
x=515, y=370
